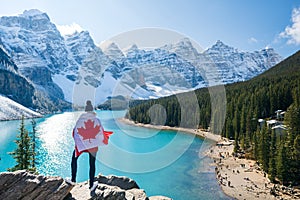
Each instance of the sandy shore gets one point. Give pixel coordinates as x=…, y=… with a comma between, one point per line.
x=238, y=178
x=243, y=179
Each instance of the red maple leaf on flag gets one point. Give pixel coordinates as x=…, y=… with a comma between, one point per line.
x=89, y=132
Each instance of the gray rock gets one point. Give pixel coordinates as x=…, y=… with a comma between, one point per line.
x=137, y=194
x=24, y=185
x=120, y=181
x=109, y=188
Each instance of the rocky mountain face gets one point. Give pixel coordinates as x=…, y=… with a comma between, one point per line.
x=55, y=65
x=12, y=84
x=88, y=57
x=34, y=44
x=24, y=185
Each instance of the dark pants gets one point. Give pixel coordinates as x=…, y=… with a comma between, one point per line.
x=92, y=160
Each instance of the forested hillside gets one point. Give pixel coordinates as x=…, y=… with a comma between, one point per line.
x=246, y=103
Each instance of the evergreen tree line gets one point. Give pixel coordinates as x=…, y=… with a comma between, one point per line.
x=246, y=102
x=25, y=152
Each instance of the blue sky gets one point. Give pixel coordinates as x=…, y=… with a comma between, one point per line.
x=247, y=25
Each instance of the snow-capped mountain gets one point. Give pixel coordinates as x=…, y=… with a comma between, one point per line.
x=37, y=48
x=67, y=67
x=184, y=49
x=33, y=41
x=234, y=65
x=89, y=58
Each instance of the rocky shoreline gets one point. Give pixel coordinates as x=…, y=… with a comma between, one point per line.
x=25, y=185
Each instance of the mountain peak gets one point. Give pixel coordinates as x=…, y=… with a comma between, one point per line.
x=131, y=48
x=33, y=20
x=113, y=45
x=183, y=48
x=109, y=45
x=267, y=48
x=219, y=43
x=79, y=35
x=220, y=46
x=185, y=41
x=82, y=33
x=33, y=13
x=112, y=50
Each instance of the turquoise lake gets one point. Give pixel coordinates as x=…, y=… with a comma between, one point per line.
x=162, y=162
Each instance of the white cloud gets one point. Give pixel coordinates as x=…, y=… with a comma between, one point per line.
x=252, y=40
x=69, y=29
x=292, y=33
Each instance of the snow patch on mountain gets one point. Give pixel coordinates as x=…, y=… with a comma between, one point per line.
x=69, y=29
x=10, y=110
x=65, y=84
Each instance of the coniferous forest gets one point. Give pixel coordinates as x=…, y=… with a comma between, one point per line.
x=249, y=107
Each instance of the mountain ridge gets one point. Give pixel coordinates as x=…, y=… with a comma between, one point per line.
x=269, y=91
x=55, y=64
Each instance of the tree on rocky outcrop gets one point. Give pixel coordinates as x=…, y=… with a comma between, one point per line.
x=23, y=154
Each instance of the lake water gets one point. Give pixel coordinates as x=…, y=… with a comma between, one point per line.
x=161, y=162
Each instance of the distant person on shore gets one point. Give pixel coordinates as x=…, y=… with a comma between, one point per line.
x=88, y=134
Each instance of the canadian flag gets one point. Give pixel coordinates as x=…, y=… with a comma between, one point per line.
x=88, y=133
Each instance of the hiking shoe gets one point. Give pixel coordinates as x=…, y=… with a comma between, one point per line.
x=68, y=180
x=95, y=184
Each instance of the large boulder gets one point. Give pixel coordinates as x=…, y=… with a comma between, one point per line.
x=26, y=186
x=109, y=188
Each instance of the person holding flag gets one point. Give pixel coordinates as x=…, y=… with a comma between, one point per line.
x=88, y=134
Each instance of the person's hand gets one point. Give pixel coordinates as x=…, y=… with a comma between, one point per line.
x=106, y=135
x=105, y=140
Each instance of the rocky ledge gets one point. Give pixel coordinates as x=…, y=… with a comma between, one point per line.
x=24, y=185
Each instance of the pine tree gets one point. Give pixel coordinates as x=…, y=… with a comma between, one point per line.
x=255, y=144
x=272, y=164
x=23, y=153
x=236, y=121
x=263, y=146
x=236, y=147
x=33, y=149
x=296, y=159
x=243, y=120
x=282, y=168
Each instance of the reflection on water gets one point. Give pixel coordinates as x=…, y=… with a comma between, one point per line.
x=185, y=178
x=56, y=143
